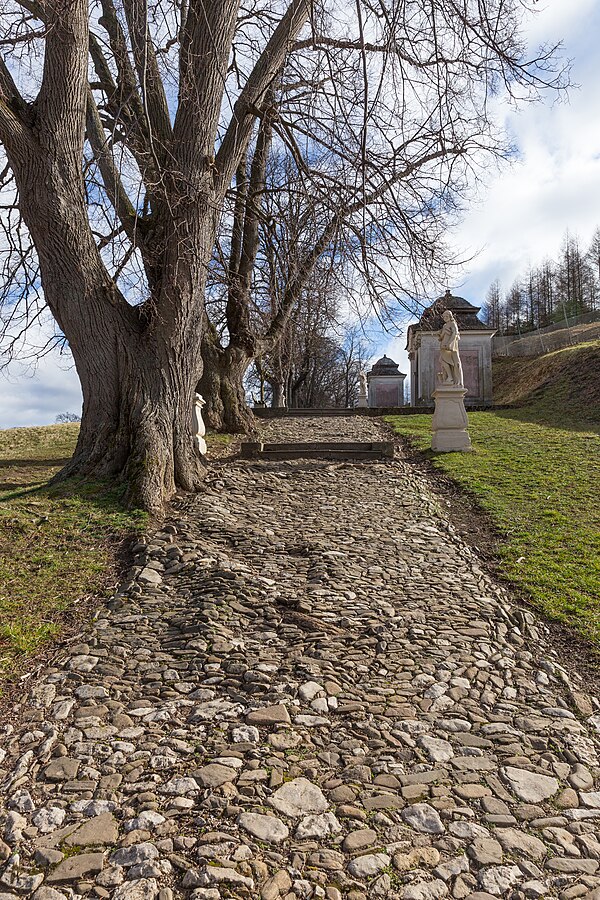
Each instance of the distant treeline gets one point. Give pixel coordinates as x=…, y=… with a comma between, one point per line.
x=549, y=293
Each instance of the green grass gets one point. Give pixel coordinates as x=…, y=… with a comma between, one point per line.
x=58, y=544
x=536, y=471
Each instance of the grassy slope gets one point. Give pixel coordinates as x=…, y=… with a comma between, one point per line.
x=57, y=544
x=569, y=377
x=536, y=471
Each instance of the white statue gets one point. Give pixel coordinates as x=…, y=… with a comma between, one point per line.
x=449, y=337
x=362, y=391
x=198, y=426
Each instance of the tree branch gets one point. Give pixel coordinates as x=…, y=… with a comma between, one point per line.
x=101, y=147
x=269, y=64
x=62, y=98
x=238, y=298
x=153, y=93
x=307, y=264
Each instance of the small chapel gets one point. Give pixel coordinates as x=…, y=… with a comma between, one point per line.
x=475, y=351
x=386, y=384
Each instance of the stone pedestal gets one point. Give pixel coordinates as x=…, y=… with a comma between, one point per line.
x=362, y=402
x=450, y=421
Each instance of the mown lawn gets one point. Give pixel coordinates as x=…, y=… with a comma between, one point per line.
x=58, y=544
x=537, y=473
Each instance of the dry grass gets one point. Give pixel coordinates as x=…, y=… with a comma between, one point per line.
x=568, y=377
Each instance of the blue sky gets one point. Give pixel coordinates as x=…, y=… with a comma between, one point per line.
x=518, y=218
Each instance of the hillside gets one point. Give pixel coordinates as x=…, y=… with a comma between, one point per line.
x=562, y=382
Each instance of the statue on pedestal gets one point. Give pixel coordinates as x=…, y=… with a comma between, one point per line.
x=362, y=390
x=449, y=337
x=449, y=423
x=198, y=426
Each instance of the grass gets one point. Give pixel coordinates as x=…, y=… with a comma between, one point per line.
x=58, y=544
x=536, y=471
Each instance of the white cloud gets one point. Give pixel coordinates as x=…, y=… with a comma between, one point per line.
x=37, y=399
x=556, y=20
x=523, y=214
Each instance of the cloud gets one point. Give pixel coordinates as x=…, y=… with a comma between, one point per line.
x=521, y=216
x=37, y=399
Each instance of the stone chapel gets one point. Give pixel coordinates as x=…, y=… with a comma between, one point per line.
x=475, y=351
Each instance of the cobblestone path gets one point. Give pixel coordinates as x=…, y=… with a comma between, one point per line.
x=308, y=688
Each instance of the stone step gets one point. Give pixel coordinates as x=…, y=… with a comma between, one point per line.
x=269, y=412
x=318, y=450
x=273, y=412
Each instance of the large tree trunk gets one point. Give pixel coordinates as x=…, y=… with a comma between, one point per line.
x=146, y=440
x=138, y=373
x=222, y=387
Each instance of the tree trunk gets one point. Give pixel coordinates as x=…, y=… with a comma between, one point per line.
x=146, y=440
x=137, y=375
x=222, y=387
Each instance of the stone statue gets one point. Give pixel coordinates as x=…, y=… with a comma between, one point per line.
x=362, y=392
x=449, y=337
x=198, y=426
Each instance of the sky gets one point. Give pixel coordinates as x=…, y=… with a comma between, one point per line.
x=517, y=219
x=521, y=215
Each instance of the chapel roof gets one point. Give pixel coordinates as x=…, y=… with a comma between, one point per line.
x=385, y=366
x=464, y=313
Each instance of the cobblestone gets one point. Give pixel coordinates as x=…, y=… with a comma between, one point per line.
x=308, y=687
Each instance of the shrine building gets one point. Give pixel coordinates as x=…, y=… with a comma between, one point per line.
x=475, y=351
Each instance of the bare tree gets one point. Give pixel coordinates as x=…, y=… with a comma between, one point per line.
x=378, y=189
x=593, y=260
x=120, y=177
x=165, y=165
x=67, y=418
x=551, y=292
x=492, y=306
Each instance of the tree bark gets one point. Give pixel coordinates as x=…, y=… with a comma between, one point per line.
x=137, y=387
x=222, y=387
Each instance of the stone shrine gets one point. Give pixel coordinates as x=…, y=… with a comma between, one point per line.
x=475, y=352
x=386, y=384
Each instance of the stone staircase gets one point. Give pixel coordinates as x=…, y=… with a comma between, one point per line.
x=345, y=450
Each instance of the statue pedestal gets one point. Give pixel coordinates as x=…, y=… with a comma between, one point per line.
x=362, y=402
x=450, y=421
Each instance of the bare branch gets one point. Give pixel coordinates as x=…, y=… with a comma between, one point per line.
x=270, y=63
x=154, y=99
x=113, y=184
